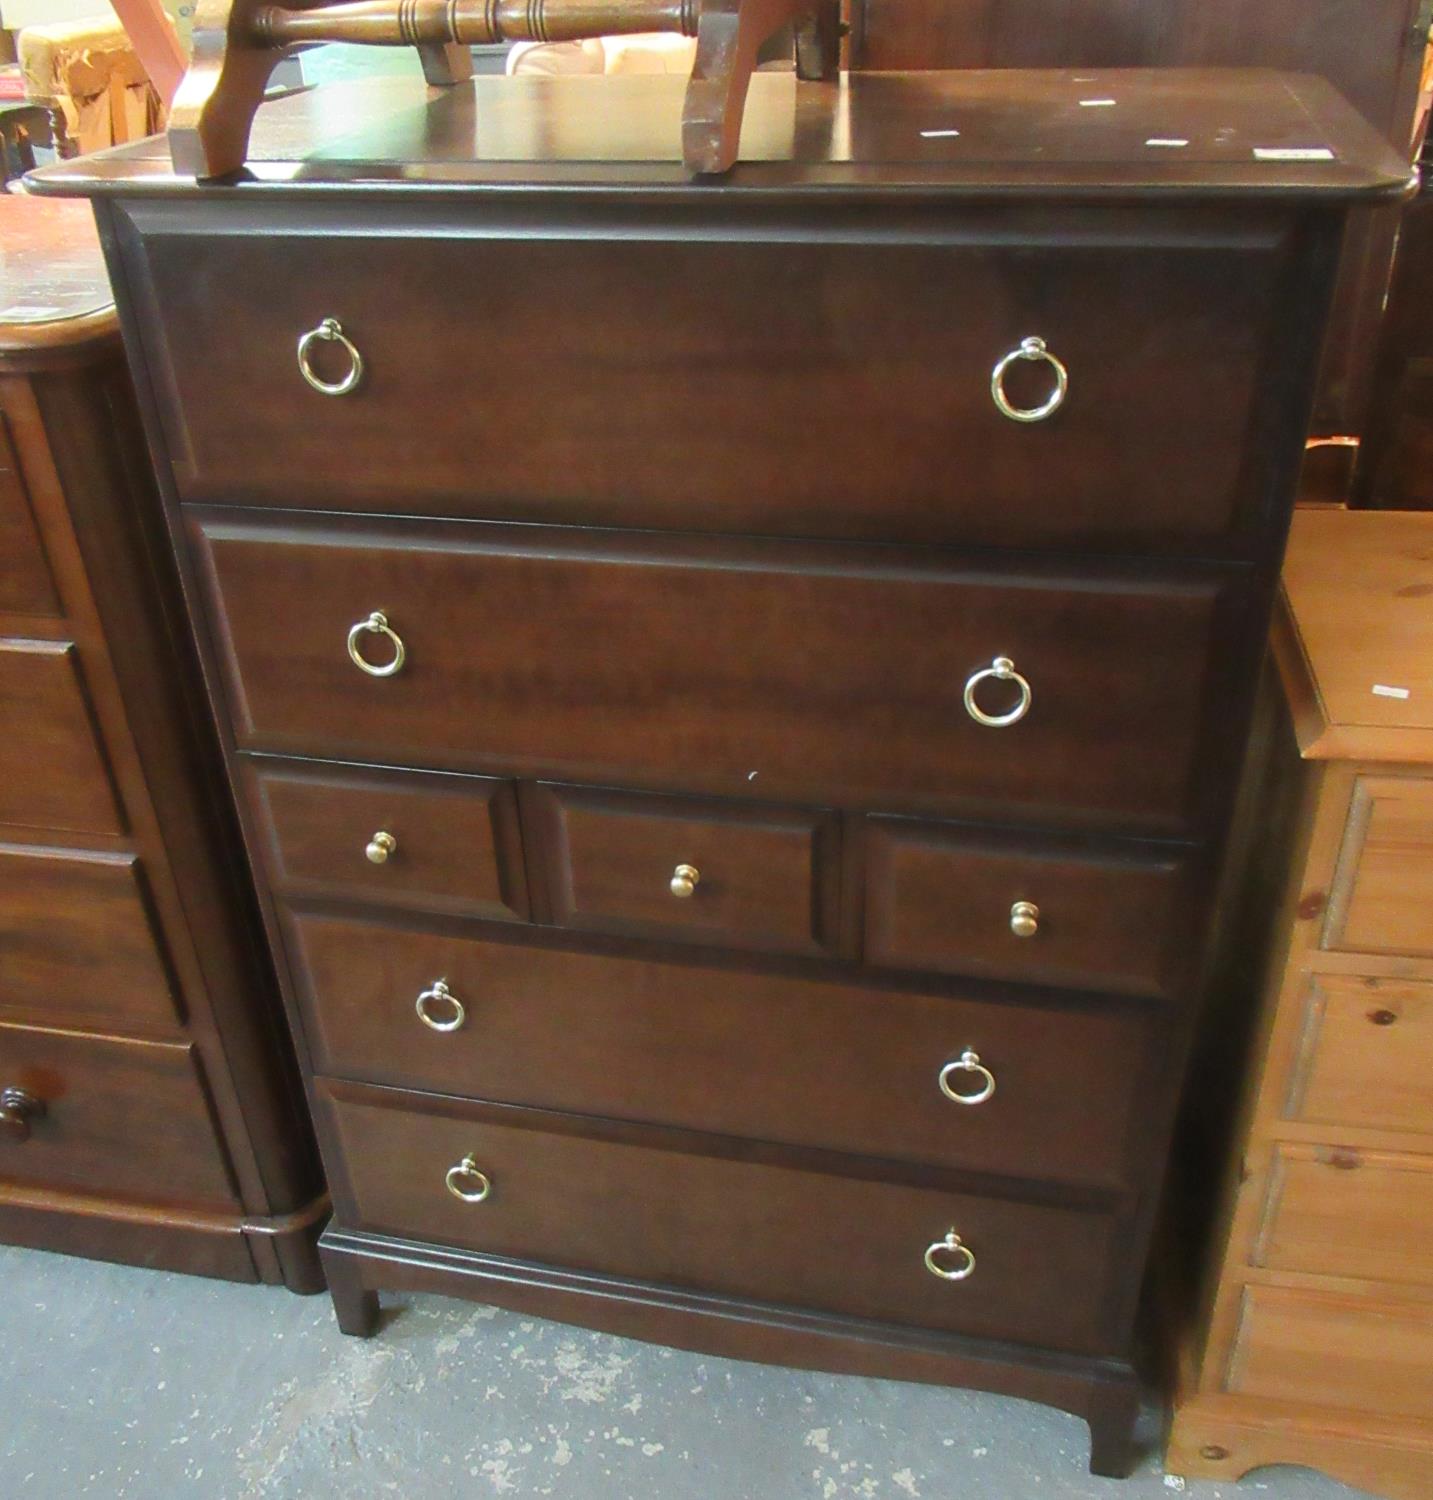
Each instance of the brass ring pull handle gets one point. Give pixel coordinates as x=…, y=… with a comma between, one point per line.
x=379, y=847
x=440, y=996
x=467, y=1172
x=684, y=882
x=1031, y=348
x=330, y=331
x=1024, y=919
x=1002, y=669
x=18, y=1107
x=968, y=1062
x=376, y=624
x=942, y=1249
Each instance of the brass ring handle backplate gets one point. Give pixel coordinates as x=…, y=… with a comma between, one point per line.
x=440, y=996
x=18, y=1107
x=479, y=1184
x=1002, y=669
x=330, y=331
x=938, y=1254
x=968, y=1062
x=1031, y=348
x=376, y=624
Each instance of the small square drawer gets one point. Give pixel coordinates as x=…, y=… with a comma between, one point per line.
x=1340, y=1211
x=1382, y=895
x=697, y=869
x=958, y=900
x=398, y=838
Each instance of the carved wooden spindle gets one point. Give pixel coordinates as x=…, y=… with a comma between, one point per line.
x=237, y=45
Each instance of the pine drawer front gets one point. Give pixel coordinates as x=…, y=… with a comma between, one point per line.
x=824, y=675
x=1382, y=896
x=697, y=869
x=638, y=1207
x=1046, y=1093
x=681, y=396
x=108, y=1116
x=1365, y=1055
x=52, y=771
x=393, y=838
x=958, y=901
x=78, y=946
x=1336, y=1211
x=1328, y=1349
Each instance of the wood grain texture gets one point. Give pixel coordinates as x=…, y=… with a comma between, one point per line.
x=26, y=587
x=775, y=1057
x=641, y=1209
x=1381, y=898
x=52, y=770
x=456, y=842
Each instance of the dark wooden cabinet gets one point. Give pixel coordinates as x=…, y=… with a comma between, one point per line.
x=148, y=1096
x=737, y=703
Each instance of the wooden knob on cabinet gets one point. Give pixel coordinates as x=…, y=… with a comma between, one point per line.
x=18, y=1108
x=685, y=879
x=1024, y=919
x=380, y=846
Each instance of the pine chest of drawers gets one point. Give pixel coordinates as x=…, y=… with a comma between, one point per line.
x=736, y=689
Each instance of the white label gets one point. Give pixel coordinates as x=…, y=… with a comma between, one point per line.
x=938, y=135
x=1096, y=103
x=1166, y=140
x=1293, y=153
x=1381, y=691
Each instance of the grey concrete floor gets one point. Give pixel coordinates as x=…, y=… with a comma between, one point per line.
x=128, y=1383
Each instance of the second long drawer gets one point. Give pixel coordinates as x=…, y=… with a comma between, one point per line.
x=772, y=1057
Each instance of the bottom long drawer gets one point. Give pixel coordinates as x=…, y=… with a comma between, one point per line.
x=553, y=1189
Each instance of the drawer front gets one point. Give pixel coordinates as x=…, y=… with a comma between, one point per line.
x=1336, y=1211
x=704, y=871
x=1326, y=1349
x=946, y=899
x=775, y=1233
x=25, y=584
x=77, y=943
x=1366, y=1055
x=758, y=1055
x=120, y=1119
x=780, y=672
x=52, y=774
x=1382, y=896
x=449, y=842
x=621, y=381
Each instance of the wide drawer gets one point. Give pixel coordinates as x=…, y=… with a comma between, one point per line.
x=783, y=381
x=852, y=1068
x=118, y=1118
x=1334, y=1350
x=812, y=673
x=52, y=773
x=1381, y=899
x=561, y=1192
x=77, y=943
x=689, y=868
x=1337, y=1211
x=957, y=900
x=395, y=838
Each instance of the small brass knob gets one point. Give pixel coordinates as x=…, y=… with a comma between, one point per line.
x=17, y=1108
x=1024, y=919
x=685, y=879
x=380, y=846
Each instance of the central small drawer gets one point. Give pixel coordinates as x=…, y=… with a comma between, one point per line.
x=818, y=674
x=563, y=1192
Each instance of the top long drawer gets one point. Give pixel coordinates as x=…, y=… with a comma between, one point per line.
x=768, y=382
x=818, y=673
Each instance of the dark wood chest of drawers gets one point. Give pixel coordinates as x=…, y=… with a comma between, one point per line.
x=150, y=1108
x=736, y=734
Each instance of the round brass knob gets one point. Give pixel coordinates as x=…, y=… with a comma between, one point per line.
x=18, y=1107
x=684, y=882
x=938, y=1258
x=1024, y=919
x=465, y=1181
x=439, y=1008
x=380, y=846
x=968, y=1062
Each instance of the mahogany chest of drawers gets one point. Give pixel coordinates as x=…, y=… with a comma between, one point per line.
x=149, y=1104
x=736, y=689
